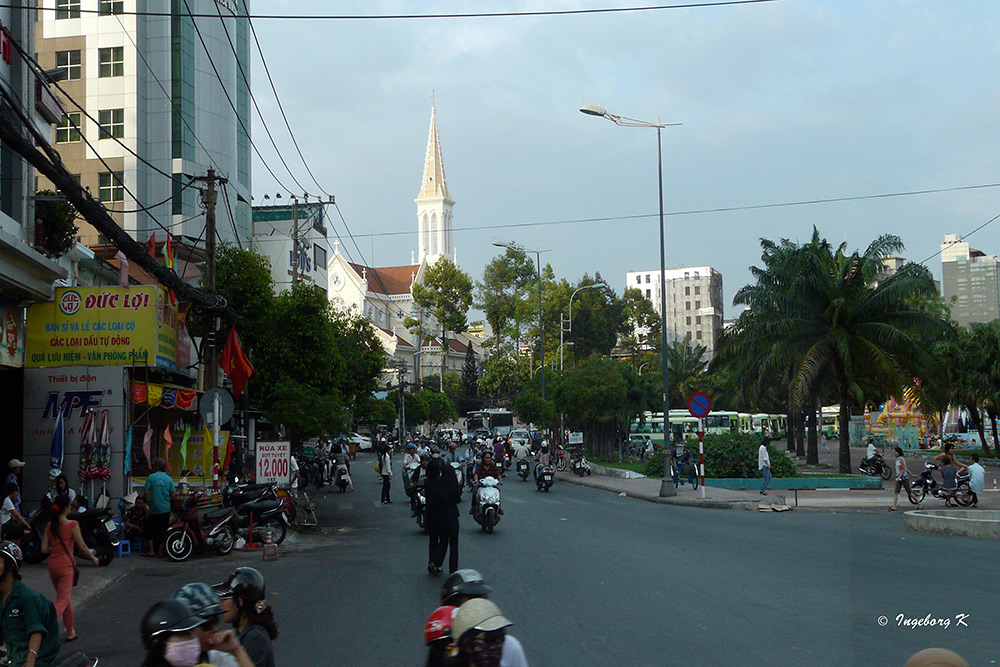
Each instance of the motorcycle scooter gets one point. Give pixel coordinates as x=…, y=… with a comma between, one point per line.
x=523, y=469
x=925, y=483
x=194, y=531
x=98, y=529
x=546, y=475
x=487, y=513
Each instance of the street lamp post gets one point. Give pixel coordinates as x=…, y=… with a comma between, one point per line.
x=644, y=364
x=666, y=484
x=566, y=326
x=541, y=326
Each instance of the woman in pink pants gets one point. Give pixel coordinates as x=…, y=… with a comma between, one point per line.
x=58, y=541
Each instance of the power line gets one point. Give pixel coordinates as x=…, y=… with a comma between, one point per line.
x=990, y=221
x=702, y=211
x=453, y=15
x=253, y=99
x=281, y=107
x=222, y=83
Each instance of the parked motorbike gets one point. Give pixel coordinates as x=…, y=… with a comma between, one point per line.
x=487, y=513
x=257, y=505
x=580, y=466
x=99, y=531
x=925, y=483
x=546, y=475
x=194, y=531
x=561, y=458
x=523, y=469
x=876, y=467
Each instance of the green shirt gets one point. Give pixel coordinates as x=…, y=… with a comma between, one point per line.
x=160, y=486
x=26, y=612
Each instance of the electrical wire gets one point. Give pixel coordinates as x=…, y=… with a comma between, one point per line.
x=988, y=222
x=253, y=99
x=232, y=218
x=229, y=99
x=702, y=211
x=281, y=107
x=469, y=15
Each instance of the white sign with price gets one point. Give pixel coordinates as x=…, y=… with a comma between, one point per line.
x=273, y=462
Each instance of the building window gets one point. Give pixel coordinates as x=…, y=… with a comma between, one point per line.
x=687, y=305
x=647, y=294
x=688, y=320
x=687, y=290
x=647, y=278
x=697, y=305
x=68, y=129
x=67, y=9
x=697, y=319
x=319, y=258
x=110, y=187
x=638, y=280
x=112, y=62
x=112, y=123
x=70, y=61
x=109, y=7
x=697, y=289
x=698, y=335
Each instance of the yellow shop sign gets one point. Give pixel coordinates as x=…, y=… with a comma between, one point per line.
x=103, y=326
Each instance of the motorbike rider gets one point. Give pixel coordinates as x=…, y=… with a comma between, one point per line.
x=452, y=455
x=543, y=458
x=499, y=449
x=205, y=603
x=441, y=651
x=465, y=585
x=415, y=480
x=871, y=453
x=521, y=451
x=486, y=468
x=244, y=606
x=683, y=461
x=341, y=462
x=28, y=623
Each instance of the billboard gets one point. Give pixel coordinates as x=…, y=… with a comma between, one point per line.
x=103, y=326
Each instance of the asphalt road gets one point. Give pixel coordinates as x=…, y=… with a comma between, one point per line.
x=590, y=578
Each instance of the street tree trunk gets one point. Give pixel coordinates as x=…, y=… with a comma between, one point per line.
x=845, y=431
x=444, y=354
x=800, y=433
x=993, y=427
x=977, y=417
x=790, y=430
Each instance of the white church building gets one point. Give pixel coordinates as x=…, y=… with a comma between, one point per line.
x=384, y=294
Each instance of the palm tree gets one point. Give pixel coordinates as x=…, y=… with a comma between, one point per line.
x=823, y=311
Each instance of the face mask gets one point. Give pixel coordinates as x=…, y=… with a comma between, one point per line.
x=486, y=649
x=183, y=653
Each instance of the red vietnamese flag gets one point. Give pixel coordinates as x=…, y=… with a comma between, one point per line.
x=151, y=245
x=234, y=363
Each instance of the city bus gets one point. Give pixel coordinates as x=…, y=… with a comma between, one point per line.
x=497, y=421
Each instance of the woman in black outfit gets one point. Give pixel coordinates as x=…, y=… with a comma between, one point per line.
x=443, y=496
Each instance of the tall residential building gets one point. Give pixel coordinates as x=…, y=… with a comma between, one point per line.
x=172, y=88
x=273, y=229
x=970, y=281
x=694, y=302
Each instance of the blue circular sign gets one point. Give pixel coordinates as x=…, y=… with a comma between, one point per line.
x=699, y=404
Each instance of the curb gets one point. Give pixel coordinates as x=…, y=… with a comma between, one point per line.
x=650, y=498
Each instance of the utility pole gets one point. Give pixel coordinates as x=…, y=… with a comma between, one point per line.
x=295, y=242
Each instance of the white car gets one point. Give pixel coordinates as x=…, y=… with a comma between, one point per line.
x=520, y=436
x=361, y=442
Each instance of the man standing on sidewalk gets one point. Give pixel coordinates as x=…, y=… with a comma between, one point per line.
x=764, y=464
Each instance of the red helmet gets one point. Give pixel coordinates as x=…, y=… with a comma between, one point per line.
x=438, y=625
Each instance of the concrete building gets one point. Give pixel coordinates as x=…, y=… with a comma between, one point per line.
x=174, y=89
x=273, y=229
x=970, y=281
x=26, y=271
x=694, y=302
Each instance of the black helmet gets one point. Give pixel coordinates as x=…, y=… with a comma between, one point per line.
x=463, y=583
x=201, y=598
x=167, y=617
x=243, y=582
x=12, y=553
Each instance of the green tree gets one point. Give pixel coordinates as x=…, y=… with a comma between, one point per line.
x=837, y=320
x=446, y=293
x=439, y=408
x=502, y=377
x=504, y=280
x=470, y=374
x=594, y=395
x=305, y=412
x=375, y=411
x=598, y=318
x=642, y=325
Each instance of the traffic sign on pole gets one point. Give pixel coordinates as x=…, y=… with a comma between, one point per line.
x=699, y=404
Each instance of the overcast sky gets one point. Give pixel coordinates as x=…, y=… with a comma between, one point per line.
x=780, y=102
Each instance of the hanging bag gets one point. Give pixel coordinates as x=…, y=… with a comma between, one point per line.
x=72, y=558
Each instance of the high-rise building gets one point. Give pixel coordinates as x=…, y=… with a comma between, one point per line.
x=694, y=302
x=970, y=281
x=173, y=89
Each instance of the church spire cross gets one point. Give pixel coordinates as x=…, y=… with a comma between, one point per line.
x=434, y=184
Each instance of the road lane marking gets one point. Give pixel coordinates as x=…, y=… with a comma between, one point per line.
x=550, y=501
x=581, y=502
x=518, y=501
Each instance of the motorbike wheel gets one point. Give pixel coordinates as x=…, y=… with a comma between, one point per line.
x=105, y=554
x=490, y=520
x=420, y=519
x=179, y=545
x=918, y=495
x=290, y=512
x=225, y=541
x=964, y=495
x=277, y=527
x=886, y=471
x=697, y=480
x=561, y=465
x=31, y=547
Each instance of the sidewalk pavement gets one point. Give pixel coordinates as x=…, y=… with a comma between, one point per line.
x=820, y=500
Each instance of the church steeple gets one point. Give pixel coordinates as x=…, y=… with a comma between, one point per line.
x=434, y=205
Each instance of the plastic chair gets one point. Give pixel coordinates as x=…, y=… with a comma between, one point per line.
x=124, y=548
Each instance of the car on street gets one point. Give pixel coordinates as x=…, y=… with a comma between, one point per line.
x=520, y=436
x=360, y=442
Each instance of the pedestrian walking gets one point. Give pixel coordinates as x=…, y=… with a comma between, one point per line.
x=28, y=625
x=902, y=480
x=58, y=541
x=385, y=469
x=244, y=606
x=764, y=464
x=160, y=490
x=977, y=479
x=443, y=496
